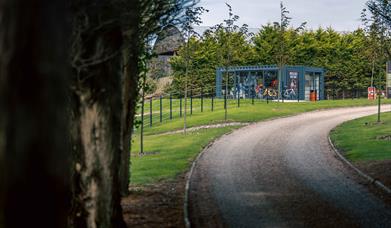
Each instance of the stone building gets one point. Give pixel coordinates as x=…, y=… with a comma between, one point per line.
x=167, y=44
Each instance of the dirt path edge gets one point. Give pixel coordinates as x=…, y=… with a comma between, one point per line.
x=189, y=175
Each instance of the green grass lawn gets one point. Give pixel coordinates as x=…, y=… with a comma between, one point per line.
x=174, y=154
x=176, y=151
x=246, y=113
x=359, y=139
x=193, y=107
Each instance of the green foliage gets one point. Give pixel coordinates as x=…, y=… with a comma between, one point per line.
x=378, y=27
x=381, y=9
x=225, y=44
x=347, y=57
x=379, y=20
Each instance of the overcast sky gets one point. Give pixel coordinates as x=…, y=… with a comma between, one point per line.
x=342, y=15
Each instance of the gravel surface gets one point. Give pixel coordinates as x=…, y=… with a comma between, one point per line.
x=282, y=173
x=210, y=126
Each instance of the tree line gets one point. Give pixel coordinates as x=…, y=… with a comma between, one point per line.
x=352, y=60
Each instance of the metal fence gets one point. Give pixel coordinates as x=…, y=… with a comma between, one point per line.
x=169, y=106
x=332, y=94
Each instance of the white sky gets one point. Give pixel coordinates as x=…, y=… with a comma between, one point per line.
x=342, y=15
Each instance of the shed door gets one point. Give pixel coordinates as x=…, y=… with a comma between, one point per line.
x=311, y=83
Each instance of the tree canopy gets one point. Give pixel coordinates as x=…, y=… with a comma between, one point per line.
x=348, y=57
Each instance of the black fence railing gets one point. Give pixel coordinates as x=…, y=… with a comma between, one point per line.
x=172, y=106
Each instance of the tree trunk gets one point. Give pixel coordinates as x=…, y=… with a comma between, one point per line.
x=97, y=118
x=34, y=153
x=96, y=191
x=126, y=120
x=130, y=78
x=130, y=93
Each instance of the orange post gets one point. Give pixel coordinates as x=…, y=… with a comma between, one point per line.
x=313, y=95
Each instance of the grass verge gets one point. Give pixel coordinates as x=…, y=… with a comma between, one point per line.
x=364, y=139
x=169, y=155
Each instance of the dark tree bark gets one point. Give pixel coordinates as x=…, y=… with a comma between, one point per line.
x=129, y=98
x=34, y=156
x=97, y=114
x=107, y=39
x=133, y=42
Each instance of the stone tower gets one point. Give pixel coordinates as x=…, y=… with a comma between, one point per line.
x=167, y=44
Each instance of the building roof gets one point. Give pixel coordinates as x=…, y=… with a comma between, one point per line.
x=168, y=41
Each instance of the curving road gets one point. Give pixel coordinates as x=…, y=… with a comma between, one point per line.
x=282, y=173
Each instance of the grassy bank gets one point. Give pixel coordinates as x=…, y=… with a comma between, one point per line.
x=248, y=113
x=364, y=139
x=170, y=155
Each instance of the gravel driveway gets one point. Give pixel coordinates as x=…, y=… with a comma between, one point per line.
x=282, y=173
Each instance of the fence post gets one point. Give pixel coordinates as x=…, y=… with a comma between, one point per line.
x=142, y=124
x=282, y=91
x=378, y=107
x=191, y=102
x=170, y=107
x=180, y=106
x=150, y=112
x=212, y=102
x=225, y=101
x=161, y=109
x=298, y=89
x=252, y=98
x=237, y=93
x=202, y=101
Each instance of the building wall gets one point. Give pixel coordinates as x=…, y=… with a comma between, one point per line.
x=295, y=81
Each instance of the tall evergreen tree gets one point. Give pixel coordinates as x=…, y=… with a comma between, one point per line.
x=346, y=57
